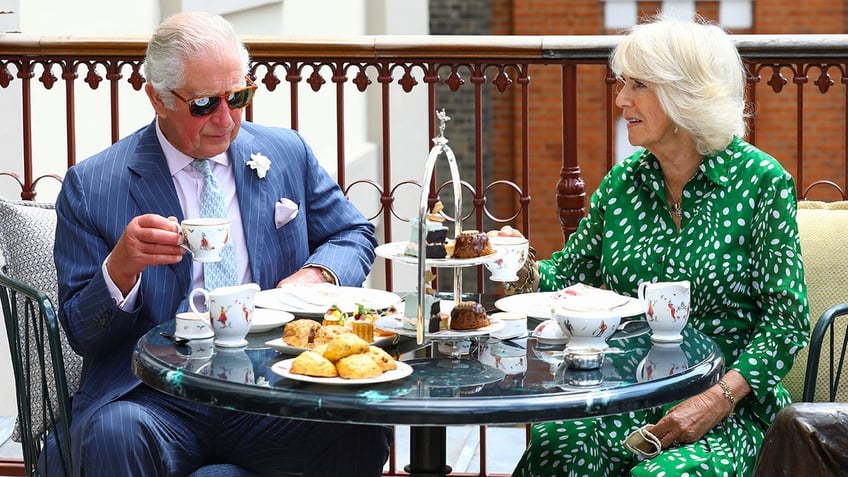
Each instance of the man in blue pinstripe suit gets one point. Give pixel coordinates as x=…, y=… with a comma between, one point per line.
x=121, y=270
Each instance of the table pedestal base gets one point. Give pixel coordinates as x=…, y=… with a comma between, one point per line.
x=427, y=450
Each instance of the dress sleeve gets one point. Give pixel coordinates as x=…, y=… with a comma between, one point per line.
x=778, y=287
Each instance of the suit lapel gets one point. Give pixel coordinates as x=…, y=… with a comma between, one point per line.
x=252, y=198
x=153, y=189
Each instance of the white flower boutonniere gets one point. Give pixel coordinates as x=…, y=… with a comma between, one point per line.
x=260, y=164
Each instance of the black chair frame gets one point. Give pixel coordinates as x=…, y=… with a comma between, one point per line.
x=825, y=326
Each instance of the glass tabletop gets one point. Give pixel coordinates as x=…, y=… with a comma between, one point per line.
x=498, y=382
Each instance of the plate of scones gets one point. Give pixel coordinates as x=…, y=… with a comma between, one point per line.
x=346, y=359
x=305, y=333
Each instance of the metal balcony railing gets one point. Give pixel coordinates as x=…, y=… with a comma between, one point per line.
x=534, y=121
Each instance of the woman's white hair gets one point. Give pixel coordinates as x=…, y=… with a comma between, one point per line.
x=181, y=37
x=696, y=72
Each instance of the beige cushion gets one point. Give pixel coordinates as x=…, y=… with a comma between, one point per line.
x=27, y=231
x=823, y=229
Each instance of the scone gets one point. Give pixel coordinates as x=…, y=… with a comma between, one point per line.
x=383, y=359
x=320, y=348
x=326, y=334
x=345, y=345
x=300, y=333
x=311, y=363
x=358, y=366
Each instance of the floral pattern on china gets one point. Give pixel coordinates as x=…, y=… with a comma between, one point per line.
x=586, y=298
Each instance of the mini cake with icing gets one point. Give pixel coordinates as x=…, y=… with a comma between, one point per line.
x=410, y=313
x=334, y=316
x=362, y=323
x=435, y=235
x=468, y=315
x=472, y=244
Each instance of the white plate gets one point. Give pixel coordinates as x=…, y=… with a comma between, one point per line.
x=539, y=305
x=394, y=251
x=265, y=319
x=281, y=346
x=393, y=324
x=282, y=368
x=315, y=299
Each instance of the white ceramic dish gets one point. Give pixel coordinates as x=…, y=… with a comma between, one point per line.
x=281, y=346
x=394, y=251
x=587, y=329
x=549, y=332
x=515, y=325
x=314, y=300
x=393, y=324
x=266, y=319
x=194, y=326
x=283, y=369
x=539, y=305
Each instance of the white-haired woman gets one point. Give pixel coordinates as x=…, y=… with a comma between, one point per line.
x=695, y=203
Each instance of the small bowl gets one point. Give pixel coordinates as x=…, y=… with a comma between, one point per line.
x=514, y=325
x=584, y=358
x=587, y=329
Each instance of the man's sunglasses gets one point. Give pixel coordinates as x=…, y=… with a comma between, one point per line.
x=236, y=99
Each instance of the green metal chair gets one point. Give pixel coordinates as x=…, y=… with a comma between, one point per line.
x=39, y=368
x=831, y=327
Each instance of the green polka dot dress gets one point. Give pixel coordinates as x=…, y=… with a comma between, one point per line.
x=738, y=245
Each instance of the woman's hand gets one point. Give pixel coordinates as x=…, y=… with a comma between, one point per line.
x=690, y=420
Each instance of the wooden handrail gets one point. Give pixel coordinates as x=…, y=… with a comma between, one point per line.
x=543, y=47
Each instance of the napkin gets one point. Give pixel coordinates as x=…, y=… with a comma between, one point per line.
x=586, y=298
x=310, y=294
x=285, y=210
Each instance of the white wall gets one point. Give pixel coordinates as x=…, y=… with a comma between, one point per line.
x=250, y=17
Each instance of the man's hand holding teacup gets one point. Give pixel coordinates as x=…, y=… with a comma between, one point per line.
x=148, y=239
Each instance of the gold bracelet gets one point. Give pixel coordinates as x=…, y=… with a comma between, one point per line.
x=729, y=396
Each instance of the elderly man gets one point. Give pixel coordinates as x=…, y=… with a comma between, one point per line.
x=122, y=271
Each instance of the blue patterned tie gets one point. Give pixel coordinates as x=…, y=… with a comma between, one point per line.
x=223, y=273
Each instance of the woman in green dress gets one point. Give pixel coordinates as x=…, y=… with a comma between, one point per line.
x=695, y=203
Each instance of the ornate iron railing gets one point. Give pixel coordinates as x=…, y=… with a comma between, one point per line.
x=536, y=114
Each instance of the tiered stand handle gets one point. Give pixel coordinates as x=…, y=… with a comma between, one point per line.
x=441, y=146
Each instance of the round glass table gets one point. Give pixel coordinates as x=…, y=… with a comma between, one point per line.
x=499, y=382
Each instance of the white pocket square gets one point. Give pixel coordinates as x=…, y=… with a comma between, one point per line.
x=284, y=211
